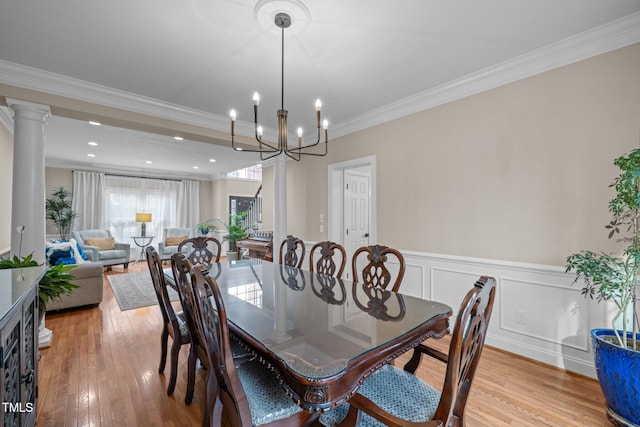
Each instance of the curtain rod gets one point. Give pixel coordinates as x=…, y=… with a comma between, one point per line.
x=138, y=177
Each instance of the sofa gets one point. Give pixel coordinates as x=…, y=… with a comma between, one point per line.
x=88, y=277
x=99, y=245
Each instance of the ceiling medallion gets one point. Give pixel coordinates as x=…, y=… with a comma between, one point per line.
x=266, y=10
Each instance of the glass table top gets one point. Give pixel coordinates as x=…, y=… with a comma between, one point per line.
x=314, y=323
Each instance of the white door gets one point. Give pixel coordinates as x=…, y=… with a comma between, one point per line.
x=356, y=212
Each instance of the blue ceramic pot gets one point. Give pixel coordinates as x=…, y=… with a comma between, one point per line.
x=619, y=375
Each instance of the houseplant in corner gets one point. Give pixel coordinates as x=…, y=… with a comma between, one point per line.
x=614, y=278
x=235, y=230
x=58, y=210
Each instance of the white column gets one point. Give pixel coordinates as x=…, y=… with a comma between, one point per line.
x=279, y=205
x=28, y=192
x=279, y=234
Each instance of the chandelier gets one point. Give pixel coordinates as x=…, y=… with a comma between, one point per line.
x=268, y=150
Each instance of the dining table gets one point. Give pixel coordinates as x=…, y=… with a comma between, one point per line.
x=320, y=335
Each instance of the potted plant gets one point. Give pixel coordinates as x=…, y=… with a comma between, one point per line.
x=58, y=211
x=205, y=227
x=614, y=278
x=235, y=230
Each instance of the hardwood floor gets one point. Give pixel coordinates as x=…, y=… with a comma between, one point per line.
x=102, y=369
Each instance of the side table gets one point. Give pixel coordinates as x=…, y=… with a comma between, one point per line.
x=142, y=242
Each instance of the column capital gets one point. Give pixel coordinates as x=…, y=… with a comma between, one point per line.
x=38, y=111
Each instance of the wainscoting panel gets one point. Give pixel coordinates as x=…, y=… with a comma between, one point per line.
x=553, y=313
x=538, y=312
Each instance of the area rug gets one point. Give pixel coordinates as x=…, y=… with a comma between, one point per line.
x=134, y=290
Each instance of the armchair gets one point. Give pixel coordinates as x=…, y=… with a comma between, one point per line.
x=170, y=240
x=99, y=245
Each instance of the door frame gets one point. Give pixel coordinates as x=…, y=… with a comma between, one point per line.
x=336, y=197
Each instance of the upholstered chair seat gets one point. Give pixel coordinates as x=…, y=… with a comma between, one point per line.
x=412, y=399
x=267, y=401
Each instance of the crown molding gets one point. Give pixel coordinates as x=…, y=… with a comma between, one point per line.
x=614, y=35
x=605, y=38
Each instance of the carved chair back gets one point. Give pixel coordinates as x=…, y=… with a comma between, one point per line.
x=172, y=325
x=181, y=267
x=376, y=273
x=465, y=348
x=160, y=286
x=204, y=250
x=213, y=330
x=326, y=263
x=289, y=252
x=467, y=342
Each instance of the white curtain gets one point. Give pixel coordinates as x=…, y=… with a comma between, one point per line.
x=188, y=204
x=88, y=200
x=126, y=196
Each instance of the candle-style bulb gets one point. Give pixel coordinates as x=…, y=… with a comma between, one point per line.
x=318, y=105
x=299, y=132
x=232, y=114
x=325, y=124
x=260, y=131
x=256, y=98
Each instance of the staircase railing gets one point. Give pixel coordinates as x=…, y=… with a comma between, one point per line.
x=253, y=220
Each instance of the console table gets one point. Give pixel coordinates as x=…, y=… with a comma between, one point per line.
x=19, y=344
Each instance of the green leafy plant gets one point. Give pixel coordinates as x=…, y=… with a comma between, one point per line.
x=55, y=283
x=58, y=210
x=235, y=229
x=205, y=227
x=614, y=278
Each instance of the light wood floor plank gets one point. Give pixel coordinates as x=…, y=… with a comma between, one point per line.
x=102, y=370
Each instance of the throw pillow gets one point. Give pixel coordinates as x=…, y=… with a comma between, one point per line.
x=175, y=240
x=103, y=243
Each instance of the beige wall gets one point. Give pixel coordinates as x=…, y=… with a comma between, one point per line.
x=517, y=173
x=6, y=179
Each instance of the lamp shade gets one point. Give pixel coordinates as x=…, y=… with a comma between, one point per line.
x=143, y=217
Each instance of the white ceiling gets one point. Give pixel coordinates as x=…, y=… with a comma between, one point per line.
x=369, y=61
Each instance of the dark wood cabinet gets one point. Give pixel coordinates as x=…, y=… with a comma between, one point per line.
x=19, y=345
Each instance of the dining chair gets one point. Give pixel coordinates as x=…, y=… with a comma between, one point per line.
x=250, y=393
x=289, y=256
x=204, y=250
x=326, y=264
x=376, y=273
x=181, y=268
x=413, y=402
x=173, y=324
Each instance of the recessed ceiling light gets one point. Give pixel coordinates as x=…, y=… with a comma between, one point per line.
x=92, y=143
x=148, y=162
x=178, y=138
x=91, y=155
x=94, y=123
x=212, y=160
x=196, y=167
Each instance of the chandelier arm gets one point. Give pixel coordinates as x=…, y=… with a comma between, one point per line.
x=275, y=153
x=301, y=153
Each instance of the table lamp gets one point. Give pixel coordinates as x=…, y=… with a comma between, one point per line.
x=143, y=218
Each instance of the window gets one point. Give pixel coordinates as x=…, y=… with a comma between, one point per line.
x=252, y=172
x=125, y=196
